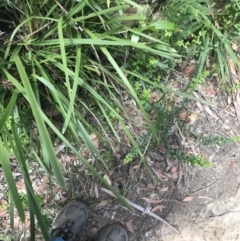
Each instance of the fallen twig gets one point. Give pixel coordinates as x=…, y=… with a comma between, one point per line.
x=144, y=210
x=204, y=188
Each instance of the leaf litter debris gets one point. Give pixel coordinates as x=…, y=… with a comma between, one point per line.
x=158, y=207
x=129, y=225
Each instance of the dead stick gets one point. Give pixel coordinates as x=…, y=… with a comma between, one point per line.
x=143, y=210
x=204, y=188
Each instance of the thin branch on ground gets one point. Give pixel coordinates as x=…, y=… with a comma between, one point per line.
x=204, y=188
x=136, y=206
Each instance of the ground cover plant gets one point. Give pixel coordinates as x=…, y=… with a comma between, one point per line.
x=65, y=65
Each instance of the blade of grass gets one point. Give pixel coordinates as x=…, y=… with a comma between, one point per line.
x=203, y=55
x=61, y=100
x=125, y=80
x=8, y=111
x=85, y=162
x=120, y=42
x=225, y=42
x=64, y=62
x=33, y=204
x=10, y=180
x=48, y=150
x=102, y=12
x=126, y=18
x=139, y=32
x=108, y=121
x=133, y=93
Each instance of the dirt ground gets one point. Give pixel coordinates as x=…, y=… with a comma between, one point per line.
x=213, y=213
x=203, y=204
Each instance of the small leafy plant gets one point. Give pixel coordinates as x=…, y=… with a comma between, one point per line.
x=205, y=32
x=196, y=82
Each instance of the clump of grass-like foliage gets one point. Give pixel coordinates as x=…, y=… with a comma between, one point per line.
x=68, y=55
x=74, y=57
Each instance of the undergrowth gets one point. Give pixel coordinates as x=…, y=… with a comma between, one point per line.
x=64, y=67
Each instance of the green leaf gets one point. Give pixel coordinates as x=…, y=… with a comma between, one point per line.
x=10, y=180
x=48, y=151
x=34, y=208
x=8, y=111
x=163, y=25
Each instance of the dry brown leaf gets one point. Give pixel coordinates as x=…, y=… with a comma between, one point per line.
x=21, y=186
x=3, y=211
x=161, y=173
x=158, y=207
x=95, y=140
x=27, y=224
x=192, y=118
x=210, y=91
x=96, y=191
x=63, y=159
x=188, y=199
x=17, y=223
x=72, y=158
x=233, y=164
x=154, y=97
x=234, y=46
x=103, y=203
x=199, y=105
x=233, y=68
x=173, y=176
x=6, y=224
x=107, y=179
x=207, y=109
x=237, y=105
x=164, y=189
x=174, y=170
x=150, y=186
x=41, y=187
x=229, y=100
x=117, y=149
x=162, y=149
x=153, y=201
x=183, y=115
x=129, y=225
x=188, y=71
x=126, y=140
